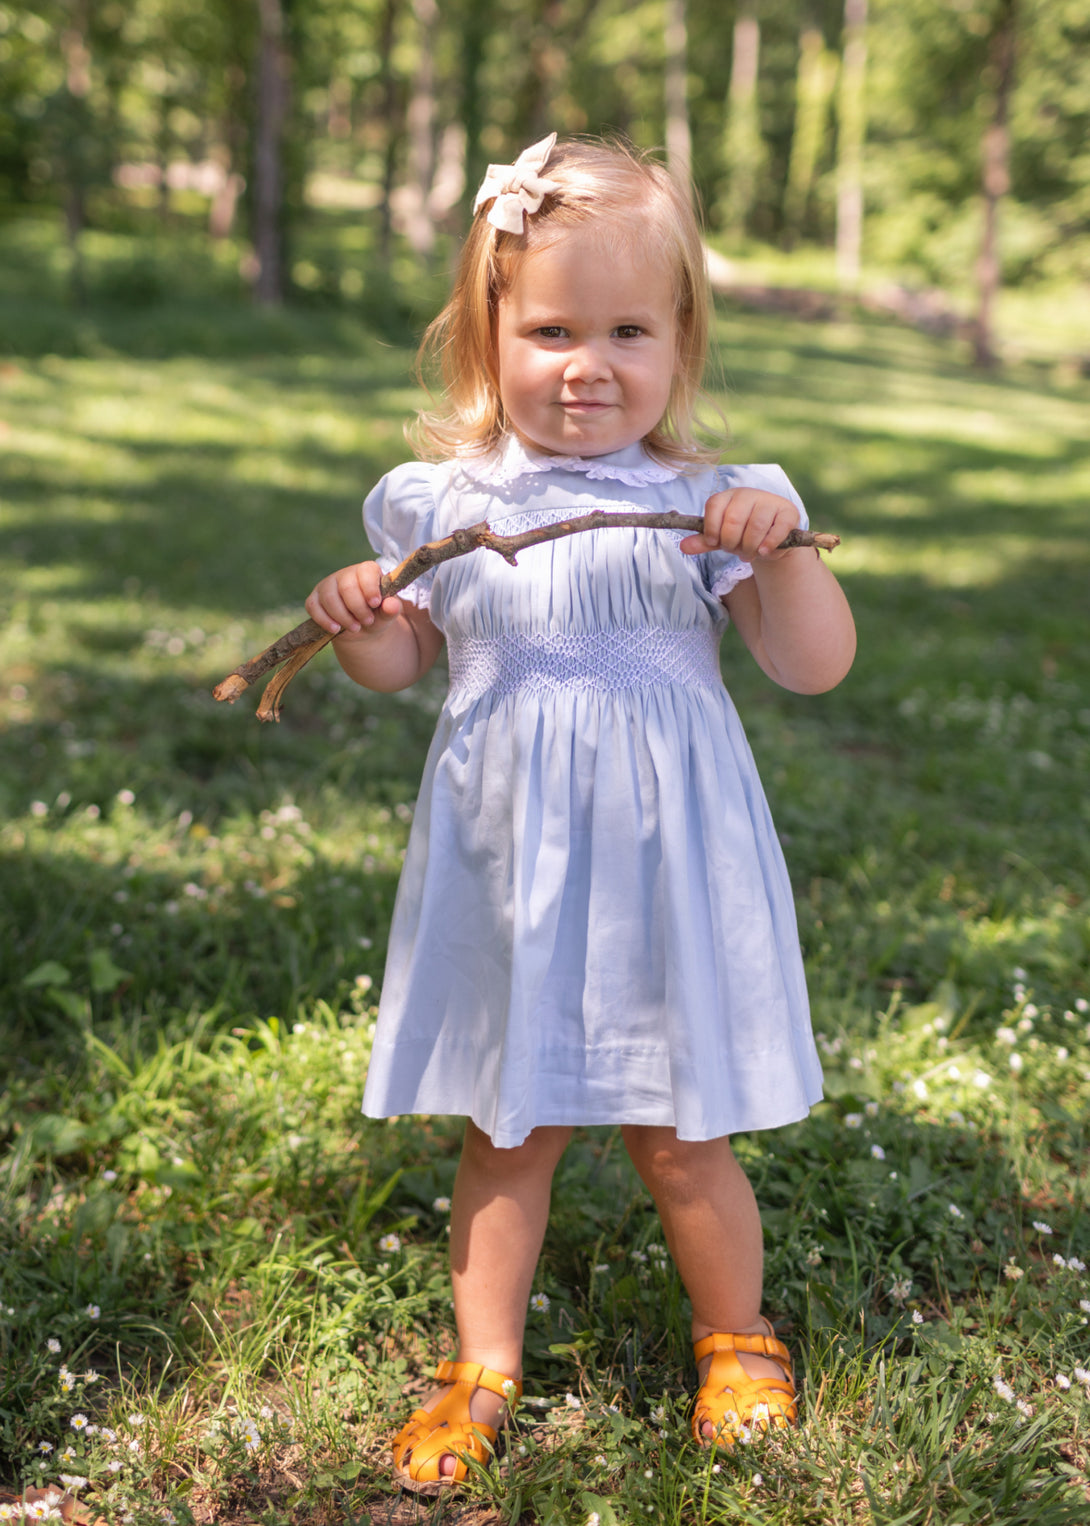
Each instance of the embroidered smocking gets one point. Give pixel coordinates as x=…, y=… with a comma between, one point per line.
x=608, y=661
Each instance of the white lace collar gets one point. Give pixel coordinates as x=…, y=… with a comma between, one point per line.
x=632, y=466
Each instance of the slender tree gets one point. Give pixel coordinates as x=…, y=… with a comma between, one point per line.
x=744, y=149
x=851, y=131
x=679, y=145
x=995, y=177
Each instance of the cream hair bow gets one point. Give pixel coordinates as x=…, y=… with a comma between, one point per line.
x=517, y=188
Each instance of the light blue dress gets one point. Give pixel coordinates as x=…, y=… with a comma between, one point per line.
x=594, y=923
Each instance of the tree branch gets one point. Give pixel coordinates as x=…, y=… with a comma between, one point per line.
x=295, y=649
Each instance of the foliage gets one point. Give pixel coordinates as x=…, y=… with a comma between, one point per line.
x=207, y=1253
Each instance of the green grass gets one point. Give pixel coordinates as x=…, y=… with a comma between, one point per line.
x=194, y=908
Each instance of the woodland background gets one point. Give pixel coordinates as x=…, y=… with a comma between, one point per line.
x=941, y=142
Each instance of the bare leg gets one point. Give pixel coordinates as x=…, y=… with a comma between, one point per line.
x=498, y=1218
x=713, y=1230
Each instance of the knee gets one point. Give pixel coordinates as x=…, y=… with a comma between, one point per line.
x=671, y=1168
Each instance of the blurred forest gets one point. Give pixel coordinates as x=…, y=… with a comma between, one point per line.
x=944, y=142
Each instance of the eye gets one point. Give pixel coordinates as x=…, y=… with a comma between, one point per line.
x=628, y=331
x=551, y=331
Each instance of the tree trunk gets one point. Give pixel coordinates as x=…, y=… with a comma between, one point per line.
x=415, y=208
x=744, y=150
x=679, y=145
x=995, y=182
x=390, y=127
x=272, y=109
x=851, y=131
x=813, y=87
x=77, y=80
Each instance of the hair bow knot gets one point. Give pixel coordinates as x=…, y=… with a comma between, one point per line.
x=518, y=188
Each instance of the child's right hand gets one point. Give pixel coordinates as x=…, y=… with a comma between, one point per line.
x=351, y=600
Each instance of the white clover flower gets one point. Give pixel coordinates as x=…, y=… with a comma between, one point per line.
x=78, y=1422
x=441, y=1205
x=900, y=1289
x=539, y=1303
x=114, y=1466
x=917, y=1317
x=1029, y=1011
x=572, y=1402
x=390, y=1243
x=1042, y=1229
x=1012, y=1272
x=758, y=1480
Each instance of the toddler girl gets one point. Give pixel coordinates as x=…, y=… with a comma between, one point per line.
x=594, y=923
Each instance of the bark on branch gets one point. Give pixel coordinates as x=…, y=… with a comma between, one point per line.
x=295, y=649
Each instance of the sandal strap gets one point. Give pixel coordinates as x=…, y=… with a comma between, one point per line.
x=759, y=1345
x=473, y=1375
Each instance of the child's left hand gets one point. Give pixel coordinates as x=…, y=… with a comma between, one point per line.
x=746, y=521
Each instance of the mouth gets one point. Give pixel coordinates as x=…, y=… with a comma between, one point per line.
x=583, y=405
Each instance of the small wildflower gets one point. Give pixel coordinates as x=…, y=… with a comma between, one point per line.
x=955, y=1212
x=137, y=1419
x=900, y=1289
x=251, y=1436
x=92, y=1311
x=1004, y=1390
x=45, y=1447
x=757, y=1480
x=1075, y=1265
x=813, y=1256
x=1023, y=1408
x=1016, y=1062
x=603, y=1266
x=53, y=1345
x=90, y=1377
x=572, y=1402
x=638, y=1255
x=877, y=1152
x=510, y=1390
x=1042, y=1229
x=594, y=1519
x=78, y=1422
x=1012, y=1272
x=539, y=1303
x=74, y=1481
x=109, y=1176
x=114, y=1466
x=871, y=1110
x=389, y=1244
x=1084, y=1305
x=1059, y=1261
x=917, y=1317
x=648, y=1473
x=441, y=1205
x=853, y=1120
x=67, y=1381
x=1062, y=1381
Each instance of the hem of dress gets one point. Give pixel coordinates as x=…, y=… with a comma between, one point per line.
x=510, y=1139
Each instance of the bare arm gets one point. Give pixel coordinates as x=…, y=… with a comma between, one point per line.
x=792, y=613
x=383, y=644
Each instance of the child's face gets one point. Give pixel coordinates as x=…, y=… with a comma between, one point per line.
x=586, y=347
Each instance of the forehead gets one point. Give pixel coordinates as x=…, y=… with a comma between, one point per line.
x=590, y=265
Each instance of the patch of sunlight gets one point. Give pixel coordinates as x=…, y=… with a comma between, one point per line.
x=951, y=564
x=944, y=422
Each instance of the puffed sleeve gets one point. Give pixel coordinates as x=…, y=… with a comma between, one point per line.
x=724, y=571
x=399, y=515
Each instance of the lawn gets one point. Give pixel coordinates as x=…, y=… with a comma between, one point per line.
x=216, y=1278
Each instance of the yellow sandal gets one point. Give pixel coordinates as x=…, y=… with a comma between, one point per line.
x=730, y=1400
x=449, y=1430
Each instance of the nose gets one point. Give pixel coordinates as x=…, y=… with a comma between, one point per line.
x=587, y=362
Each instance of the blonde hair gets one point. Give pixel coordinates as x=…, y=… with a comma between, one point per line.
x=630, y=198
